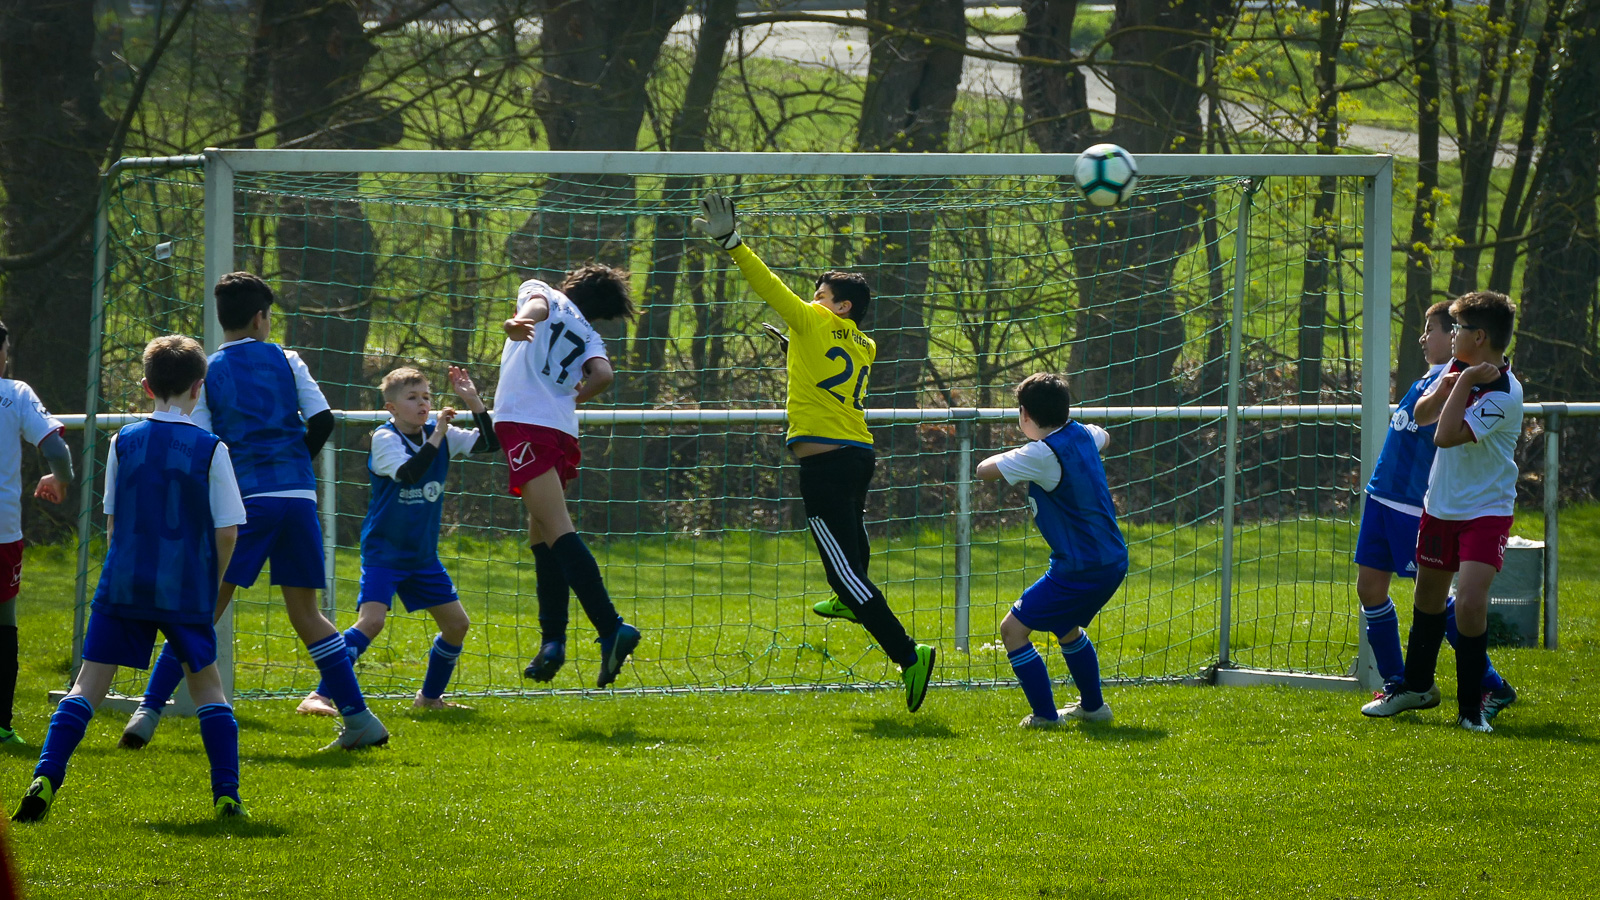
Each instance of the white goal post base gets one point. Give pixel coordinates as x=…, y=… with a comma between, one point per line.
x=1254, y=677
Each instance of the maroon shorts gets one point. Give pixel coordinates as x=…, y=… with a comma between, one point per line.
x=1446, y=544
x=532, y=450
x=10, y=570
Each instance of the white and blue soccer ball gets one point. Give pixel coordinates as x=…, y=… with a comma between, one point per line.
x=1106, y=174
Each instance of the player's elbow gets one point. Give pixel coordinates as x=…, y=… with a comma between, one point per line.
x=988, y=471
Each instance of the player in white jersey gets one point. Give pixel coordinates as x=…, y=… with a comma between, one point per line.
x=554, y=360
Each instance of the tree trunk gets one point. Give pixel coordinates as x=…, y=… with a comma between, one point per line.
x=1478, y=146
x=1054, y=100
x=1511, y=211
x=1419, y=258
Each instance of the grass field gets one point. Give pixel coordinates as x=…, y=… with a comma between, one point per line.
x=1191, y=792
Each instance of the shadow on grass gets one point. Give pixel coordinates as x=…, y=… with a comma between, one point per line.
x=315, y=759
x=246, y=828
x=899, y=729
x=452, y=715
x=1564, y=732
x=621, y=736
x=1122, y=734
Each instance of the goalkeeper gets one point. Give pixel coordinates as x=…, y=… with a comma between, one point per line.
x=829, y=360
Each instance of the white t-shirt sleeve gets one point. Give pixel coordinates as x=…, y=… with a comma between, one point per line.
x=34, y=420
x=111, y=478
x=306, y=387
x=388, y=453
x=461, y=440
x=202, y=413
x=530, y=289
x=227, y=507
x=1033, y=462
x=594, y=347
x=1489, y=412
x=1102, y=438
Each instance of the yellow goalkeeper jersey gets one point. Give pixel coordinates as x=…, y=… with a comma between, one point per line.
x=830, y=361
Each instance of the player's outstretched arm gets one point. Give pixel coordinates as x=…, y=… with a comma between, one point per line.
x=989, y=469
x=719, y=222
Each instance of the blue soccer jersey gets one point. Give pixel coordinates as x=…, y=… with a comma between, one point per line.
x=401, y=530
x=254, y=405
x=1070, y=499
x=161, y=564
x=1401, y=475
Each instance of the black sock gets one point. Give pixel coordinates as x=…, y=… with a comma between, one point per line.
x=551, y=587
x=583, y=574
x=8, y=672
x=1472, y=654
x=1422, y=649
x=880, y=622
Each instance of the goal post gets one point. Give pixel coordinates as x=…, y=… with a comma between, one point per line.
x=1183, y=319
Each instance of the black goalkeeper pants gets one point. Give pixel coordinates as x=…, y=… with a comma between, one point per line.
x=833, y=486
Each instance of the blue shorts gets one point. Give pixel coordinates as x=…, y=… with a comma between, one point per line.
x=418, y=588
x=284, y=530
x=1388, y=539
x=1060, y=603
x=117, y=641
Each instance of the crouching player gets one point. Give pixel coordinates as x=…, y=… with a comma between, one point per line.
x=409, y=463
x=1072, y=505
x=1387, y=542
x=172, y=511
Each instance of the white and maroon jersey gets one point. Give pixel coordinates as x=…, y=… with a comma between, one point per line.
x=1479, y=478
x=22, y=418
x=539, y=377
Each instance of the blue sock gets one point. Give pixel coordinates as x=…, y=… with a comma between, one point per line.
x=338, y=676
x=1084, y=665
x=356, y=643
x=1035, y=679
x=1491, y=679
x=1383, y=636
x=583, y=576
x=219, y=732
x=164, y=678
x=66, y=730
x=441, y=665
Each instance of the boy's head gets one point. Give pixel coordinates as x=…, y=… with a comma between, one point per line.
x=174, y=367
x=1483, y=326
x=241, y=297
x=407, y=397
x=1045, y=403
x=846, y=293
x=1436, y=334
x=599, y=291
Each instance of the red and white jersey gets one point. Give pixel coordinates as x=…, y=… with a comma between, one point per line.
x=1479, y=478
x=22, y=418
x=539, y=377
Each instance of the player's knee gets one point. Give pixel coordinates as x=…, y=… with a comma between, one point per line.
x=1069, y=637
x=1013, y=630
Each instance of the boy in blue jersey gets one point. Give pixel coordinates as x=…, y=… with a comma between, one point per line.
x=172, y=513
x=1387, y=541
x=262, y=401
x=1071, y=502
x=409, y=463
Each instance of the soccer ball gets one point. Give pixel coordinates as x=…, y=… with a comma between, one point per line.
x=1106, y=173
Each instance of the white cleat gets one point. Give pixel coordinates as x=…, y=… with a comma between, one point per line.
x=360, y=730
x=141, y=728
x=1033, y=721
x=1396, y=699
x=1479, y=727
x=1076, y=711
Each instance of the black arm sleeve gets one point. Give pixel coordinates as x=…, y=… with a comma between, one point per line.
x=318, y=427
x=487, y=442
x=414, y=468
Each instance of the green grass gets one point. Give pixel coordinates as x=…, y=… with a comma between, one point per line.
x=1192, y=792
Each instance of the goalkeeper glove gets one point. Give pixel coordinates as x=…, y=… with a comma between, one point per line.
x=776, y=335
x=718, y=221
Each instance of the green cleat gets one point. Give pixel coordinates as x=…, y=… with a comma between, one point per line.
x=918, y=675
x=229, y=808
x=36, y=802
x=9, y=738
x=833, y=608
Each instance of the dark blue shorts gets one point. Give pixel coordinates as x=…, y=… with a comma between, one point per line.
x=285, y=531
x=1388, y=539
x=418, y=588
x=1059, y=603
x=117, y=641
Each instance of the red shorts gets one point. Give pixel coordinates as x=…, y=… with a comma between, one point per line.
x=533, y=450
x=1446, y=544
x=10, y=570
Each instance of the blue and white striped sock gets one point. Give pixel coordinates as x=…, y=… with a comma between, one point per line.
x=1383, y=636
x=1084, y=665
x=1034, y=676
x=441, y=665
x=356, y=643
x=338, y=676
x=66, y=731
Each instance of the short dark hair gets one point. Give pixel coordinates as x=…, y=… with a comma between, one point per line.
x=850, y=286
x=1490, y=310
x=600, y=292
x=5, y=334
x=172, y=364
x=240, y=295
x=1440, y=311
x=1046, y=398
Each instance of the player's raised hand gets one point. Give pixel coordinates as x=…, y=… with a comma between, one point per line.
x=519, y=329
x=461, y=383
x=1482, y=373
x=718, y=220
x=446, y=416
x=775, y=334
x=50, y=488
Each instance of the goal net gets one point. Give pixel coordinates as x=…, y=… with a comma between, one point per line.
x=1220, y=325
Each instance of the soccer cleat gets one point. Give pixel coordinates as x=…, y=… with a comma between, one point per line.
x=36, y=802
x=10, y=738
x=918, y=676
x=422, y=702
x=1034, y=721
x=360, y=730
x=833, y=608
x=1076, y=711
x=552, y=656
x=615, y=651
x=1479, y=727
x=230, y=808
x=141, y=728
x=1494, y=701
x=1396, y=699
x=316, y=705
